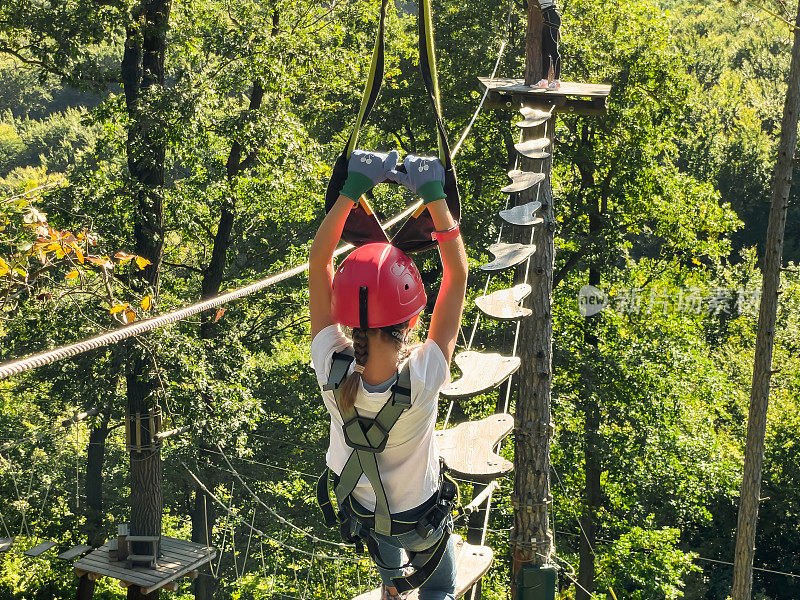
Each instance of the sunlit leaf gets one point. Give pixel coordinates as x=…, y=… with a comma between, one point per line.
x=72, y=274
x=146, y=303
x=219, y=314
x=142, y=262
x=129, y=316
x=4, y=268
x=118, y=308
x=78, y=253
x=124, y=256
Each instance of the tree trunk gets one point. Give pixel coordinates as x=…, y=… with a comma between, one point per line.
x=591, y=412
x=762, y=367
x=142, y=77
x=533, y=44
x=94, y=497
x=533, y=540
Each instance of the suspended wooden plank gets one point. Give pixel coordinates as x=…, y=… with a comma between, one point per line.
x=178, y=558
x=533, y=117
x=472, y=563
x=572, y=97
x=480, y=373
x=508, y=256
x=74, y=552
x=39, y=549
x=523, y=215
x=468, y=448
x=534, y=148
x=521, y=181
x=5, y=544
x=503, y=305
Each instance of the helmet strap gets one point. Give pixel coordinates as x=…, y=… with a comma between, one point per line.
x=362, y=307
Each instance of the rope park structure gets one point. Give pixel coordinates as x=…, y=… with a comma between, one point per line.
x=525, y=249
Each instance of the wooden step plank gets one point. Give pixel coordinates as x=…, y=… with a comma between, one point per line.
x=508, y=256
x=533, y=117
x=534, y=148
x=5, y=544
x=480, y=373
x=504, y=305
x=74, y=552
x=521, y=181
x=143, y=538
x=468, y=448
x=39, y=549
x=472, y=563
x=523, y=215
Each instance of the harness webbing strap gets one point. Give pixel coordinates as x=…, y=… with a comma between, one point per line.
x=374, y=82
x=362, y=226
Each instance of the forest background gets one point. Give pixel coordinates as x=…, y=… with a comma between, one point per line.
x=257, y=101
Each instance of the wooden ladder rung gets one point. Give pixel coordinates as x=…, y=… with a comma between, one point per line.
x=523, y=215
x=143, y=538
x=508, y=256
x=141, y=558
x=480, y=373
x=522, y=180
x=6, y=543
x=468, y=448
x=504, y=305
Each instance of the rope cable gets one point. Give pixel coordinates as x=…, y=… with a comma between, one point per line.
x=231, y=513
x=279, y=517
x=134, y=329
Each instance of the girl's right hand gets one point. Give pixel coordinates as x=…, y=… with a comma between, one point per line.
x=424, y=176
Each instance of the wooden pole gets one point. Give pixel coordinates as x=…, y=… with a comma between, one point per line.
x=531, y=538
x=762, y=367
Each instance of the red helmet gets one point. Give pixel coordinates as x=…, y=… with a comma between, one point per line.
x=376, y=286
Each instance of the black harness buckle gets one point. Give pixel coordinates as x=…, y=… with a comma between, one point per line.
x=365, y=425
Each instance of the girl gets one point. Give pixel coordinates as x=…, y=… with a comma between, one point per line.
x=378, y=292
x=551, y=36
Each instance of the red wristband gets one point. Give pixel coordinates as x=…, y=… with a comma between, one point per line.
x=447, y=235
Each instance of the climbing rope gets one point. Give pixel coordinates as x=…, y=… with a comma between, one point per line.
x=32, y=362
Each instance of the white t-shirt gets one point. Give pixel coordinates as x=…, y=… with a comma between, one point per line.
x=409, y=466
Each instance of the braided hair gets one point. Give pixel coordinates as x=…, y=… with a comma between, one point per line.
x=349, y=388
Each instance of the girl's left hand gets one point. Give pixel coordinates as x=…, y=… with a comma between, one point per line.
x=367, y=169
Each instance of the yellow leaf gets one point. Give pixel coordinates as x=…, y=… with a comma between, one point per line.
x=695, y=261
x=78, y=252
x=118, y=308
x=142, y=263
x=147, y=303
x=72, y=274
x=4, y=268
x=129, y=316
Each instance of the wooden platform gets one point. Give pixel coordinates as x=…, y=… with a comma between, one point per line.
x=521, y=181
x=480, y=373
x=472, y=563
x=523, y=215
x=534, y=148
x=581, y=98
x=533, y=117
x=179, y=558
x=468, y=448
x=508, y=256
x=5, y=544
x=503, y=305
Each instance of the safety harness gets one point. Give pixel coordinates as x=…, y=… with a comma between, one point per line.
x=368, y=437
x=362, y=226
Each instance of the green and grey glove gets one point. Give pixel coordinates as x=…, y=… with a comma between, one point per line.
x=367, y=169
x=424, y=176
